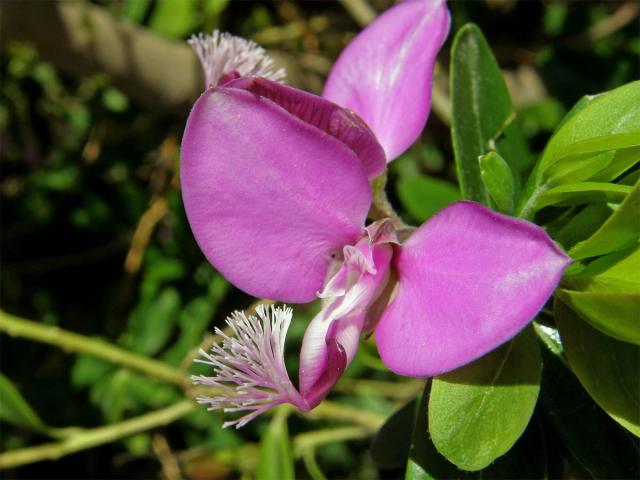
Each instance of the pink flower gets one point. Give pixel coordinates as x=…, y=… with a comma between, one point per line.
x=276, y=188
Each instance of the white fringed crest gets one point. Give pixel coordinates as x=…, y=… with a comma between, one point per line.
x=249, y=365
x=222, y=54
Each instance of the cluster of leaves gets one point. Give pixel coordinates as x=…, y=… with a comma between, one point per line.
x=86, y=171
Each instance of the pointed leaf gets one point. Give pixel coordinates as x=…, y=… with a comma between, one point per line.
x=275, y=460
x=607, y=294
x=498, y=180
x=580, y=193
x=481, y=109
x=15, y=409
x=610, y=121
x=620, y=229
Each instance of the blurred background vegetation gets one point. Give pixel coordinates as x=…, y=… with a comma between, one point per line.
x=94, y=240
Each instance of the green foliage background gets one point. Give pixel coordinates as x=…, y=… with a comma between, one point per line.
x=95, y=241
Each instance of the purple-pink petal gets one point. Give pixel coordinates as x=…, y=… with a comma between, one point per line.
x=385, y=73
x=332, y=119
x=268, y=196
x=469, y=280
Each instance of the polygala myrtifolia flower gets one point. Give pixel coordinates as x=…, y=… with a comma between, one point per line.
x=275, y=184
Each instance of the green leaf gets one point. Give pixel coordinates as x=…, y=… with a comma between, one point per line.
x=598, y=444
x=526, y=460
x=583, y=224
x=195, y=318
x=607, y=294
x=14, y=408
x=477, y=413
x=578, y=107
x=605, y=123
x=275, y=459
x=608, y=122
x=622, y=161
x=621, y=229
x=578, y=168
x=617, y=272
x=481, y=108
x=498, y=180
x=152, y=322
x=585, y=192
x=422, y=197
x=390, y=446
x=607, y=368
x=615, y=314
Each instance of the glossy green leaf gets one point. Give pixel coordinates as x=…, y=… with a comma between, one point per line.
x=605, y=123
x=390, y=446
x=14, y=408
x=583, y=224
x=481, y=107
x=526, y=460
x=580, y=193
x=630, y=179
x=607, y=294
x=579, y=167
x=578, y=107
x=598, y=444
x=276, y=458
x=477, y=413
x=609, y=122
x=622, y=161
x=617, y=272
x=498, y=180
x=615, y=314
x=607, y=368
x=622, y=228
x=422, y=196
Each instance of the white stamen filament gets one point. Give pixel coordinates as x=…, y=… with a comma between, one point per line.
x=222, y=54
x=250, y=365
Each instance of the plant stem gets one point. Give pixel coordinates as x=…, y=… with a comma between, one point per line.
x=315, y=438
x=97, y=436
x=72, y=342
x=335, y=411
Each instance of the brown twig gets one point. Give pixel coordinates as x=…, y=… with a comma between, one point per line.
x=168, y=461
x=142, y=235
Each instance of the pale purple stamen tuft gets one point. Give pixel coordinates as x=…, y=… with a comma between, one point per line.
x=249, y=365
x=223, y=56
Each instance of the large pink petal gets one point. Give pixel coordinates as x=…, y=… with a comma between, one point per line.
x=332, y=119
x=469, y=279
x=385, y=73
x=269, y=197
